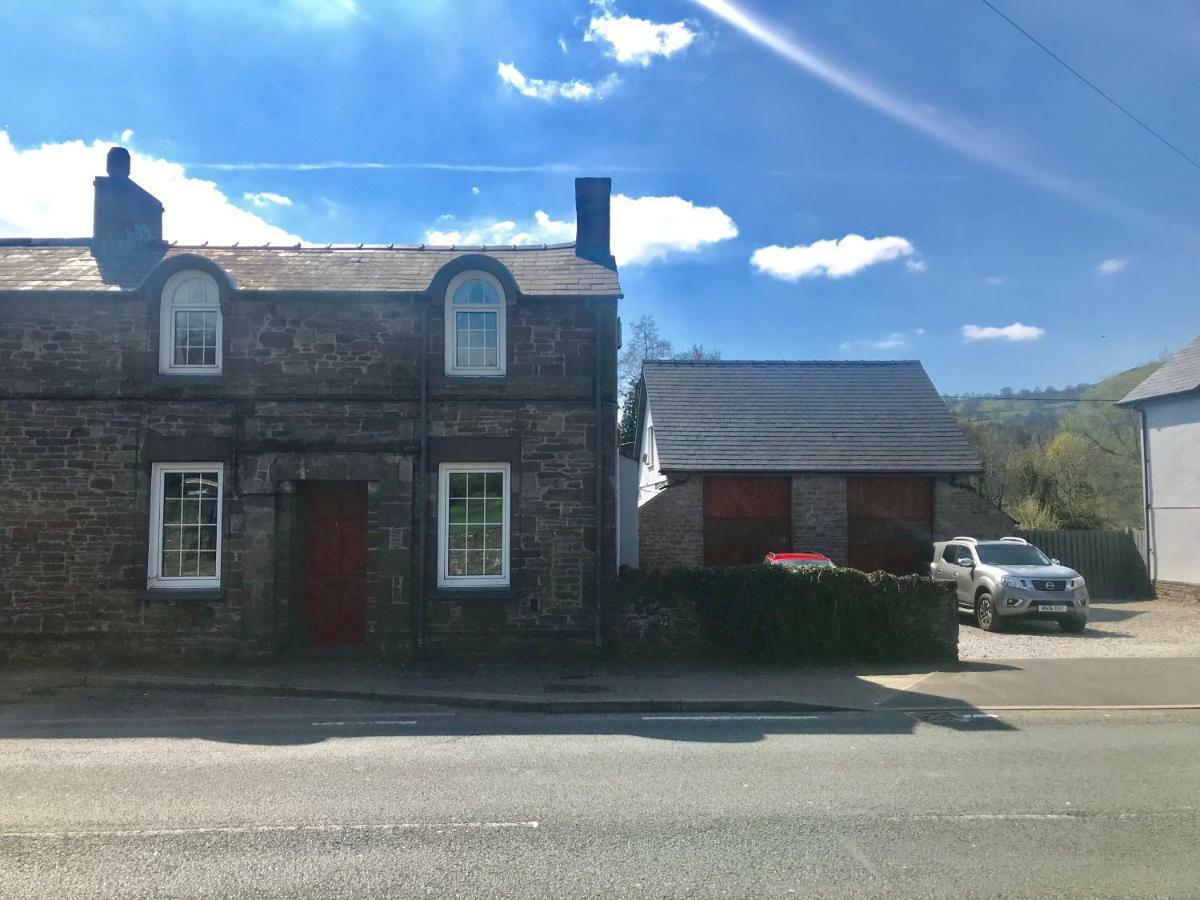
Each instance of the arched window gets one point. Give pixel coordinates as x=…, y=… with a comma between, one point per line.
x=475, y=312
x=190, y=325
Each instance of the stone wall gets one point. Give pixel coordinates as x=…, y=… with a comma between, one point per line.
x=960, y=510
x=671, y=526
x=819, y=516
x=311, y=390
x=1177, y=591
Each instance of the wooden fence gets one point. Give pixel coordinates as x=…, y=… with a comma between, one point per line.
x=1110, y=561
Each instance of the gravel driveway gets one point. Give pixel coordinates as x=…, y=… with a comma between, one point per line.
x=1144, y=628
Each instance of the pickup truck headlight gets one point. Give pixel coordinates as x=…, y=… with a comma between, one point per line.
x=1075, y=583
x=1014, y=582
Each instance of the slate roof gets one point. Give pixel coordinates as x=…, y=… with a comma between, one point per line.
x=1178, y=375
x=61, y=265
x=846, y=417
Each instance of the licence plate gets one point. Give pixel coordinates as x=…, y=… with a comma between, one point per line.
x=1053, y=607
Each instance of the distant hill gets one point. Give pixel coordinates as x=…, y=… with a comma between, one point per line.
x=1043, y=408
x=1051, y=461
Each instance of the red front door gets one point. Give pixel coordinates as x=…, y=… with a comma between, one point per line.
x=336, y=554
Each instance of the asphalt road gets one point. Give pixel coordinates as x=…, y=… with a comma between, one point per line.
x=107, y=795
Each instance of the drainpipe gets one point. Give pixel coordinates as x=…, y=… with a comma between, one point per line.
x=1151, y=560
x=597, y=633
x=422, y=491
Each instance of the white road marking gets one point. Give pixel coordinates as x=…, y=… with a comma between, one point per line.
x=731, y=718
x=354, y=722
x=277, y=828
x=1038, y=817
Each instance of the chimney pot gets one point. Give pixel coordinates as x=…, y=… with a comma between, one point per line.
x=592, y=219
x=117, y=163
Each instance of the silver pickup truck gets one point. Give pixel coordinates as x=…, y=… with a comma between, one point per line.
x=1007, y=579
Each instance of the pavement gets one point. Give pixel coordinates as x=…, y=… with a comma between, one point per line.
x=133, y=794
x=990, y=684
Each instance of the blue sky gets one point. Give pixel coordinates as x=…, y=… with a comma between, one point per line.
x=990, y=189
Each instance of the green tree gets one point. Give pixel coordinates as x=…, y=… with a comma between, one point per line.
x=1077, y=465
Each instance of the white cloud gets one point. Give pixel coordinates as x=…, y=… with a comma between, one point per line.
x=829, y=258
x=475, y=190
x=994, y=280
x=545, y=89
x=1014, y=332
x=637, y=41
x=893, y=341
x=644, y=229
x=47, y=192
x=266, y=198
x=916, y=265
x=1111, y=266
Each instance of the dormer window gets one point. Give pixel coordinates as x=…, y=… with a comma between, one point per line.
x=190, y=325
x=475, y=312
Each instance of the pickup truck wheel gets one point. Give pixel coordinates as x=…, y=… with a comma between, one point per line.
x=1073, y=625
x=985, y=613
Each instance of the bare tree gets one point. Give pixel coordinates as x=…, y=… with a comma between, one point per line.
x=642, y=342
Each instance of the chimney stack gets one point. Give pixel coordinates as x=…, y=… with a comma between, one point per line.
x=123, y=211
x=592, y=225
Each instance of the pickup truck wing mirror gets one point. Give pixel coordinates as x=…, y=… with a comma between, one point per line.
x=966, y=562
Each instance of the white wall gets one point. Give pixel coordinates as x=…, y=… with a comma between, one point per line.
x=627, y=518
x=1173, y=446
x=650, y=480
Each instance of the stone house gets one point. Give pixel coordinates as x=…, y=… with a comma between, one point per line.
x=861, y=461
x=1169, y=404
x=253, y=450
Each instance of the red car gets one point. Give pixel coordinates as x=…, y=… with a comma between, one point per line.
x=797, y=560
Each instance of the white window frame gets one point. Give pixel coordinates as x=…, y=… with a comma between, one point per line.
x=154, y=576
x=445, y=470
x=171, y=303
x=451, y=326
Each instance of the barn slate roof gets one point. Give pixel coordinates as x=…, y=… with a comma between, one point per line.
x=844, y=417
x=1178, y=375
x=75, y=265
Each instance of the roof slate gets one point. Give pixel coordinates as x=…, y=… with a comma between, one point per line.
x=63, y=266
x=846, y=417
x=1178, y=375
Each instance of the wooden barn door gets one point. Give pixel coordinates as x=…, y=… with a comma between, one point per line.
x=336, y=563
x=745, y=517
x=890, y=524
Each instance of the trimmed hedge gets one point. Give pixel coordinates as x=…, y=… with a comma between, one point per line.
x=773, y=614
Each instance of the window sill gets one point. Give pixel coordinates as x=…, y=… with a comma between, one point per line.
x=181, y=594
x=473, y=593
x=212, y=379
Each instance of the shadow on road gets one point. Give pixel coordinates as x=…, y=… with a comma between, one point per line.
x=83, y=714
